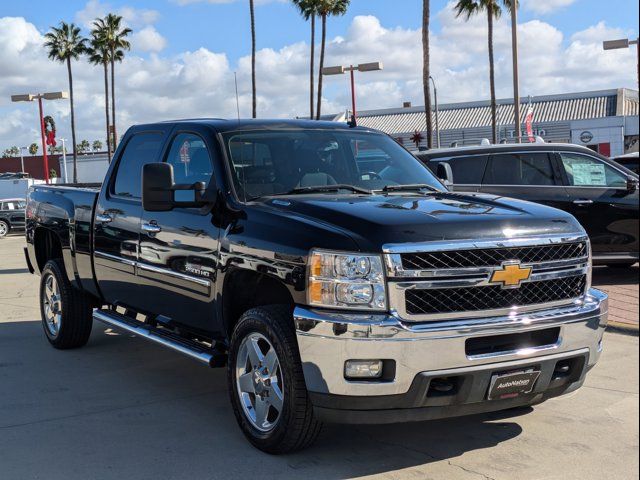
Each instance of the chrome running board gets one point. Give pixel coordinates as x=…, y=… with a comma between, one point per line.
x=191, y=348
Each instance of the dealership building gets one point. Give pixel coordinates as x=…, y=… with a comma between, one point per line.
x=605, y=121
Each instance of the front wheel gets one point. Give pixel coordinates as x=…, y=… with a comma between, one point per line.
x=4, y=228
x=266, y=383
x=66, y=311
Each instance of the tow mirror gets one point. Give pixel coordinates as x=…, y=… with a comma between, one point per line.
x=158, y=189
x=632, y=184
x=444, y=173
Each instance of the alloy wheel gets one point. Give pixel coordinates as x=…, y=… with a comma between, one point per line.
x=52, y=304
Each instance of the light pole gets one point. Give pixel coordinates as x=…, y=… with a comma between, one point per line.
x=22, y=158
x=30, y=97
x=363, y=67
x=64, y=160
x=516, y=81
x=624, y=43
x=435, y=100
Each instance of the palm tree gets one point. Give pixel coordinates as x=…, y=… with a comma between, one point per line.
x=468, y=8
x=426, y=70
x=109, y=29
x=309, y=10
x=64, y=43
x=98, y=54
x=327, y=8
x=254, y=101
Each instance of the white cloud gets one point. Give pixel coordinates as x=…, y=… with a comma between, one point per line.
x=132, y=17
x=200, y=82
x=216, y=2
x=148, y=40
x=546, y=6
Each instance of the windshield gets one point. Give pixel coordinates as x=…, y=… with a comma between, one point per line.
x=279, y=162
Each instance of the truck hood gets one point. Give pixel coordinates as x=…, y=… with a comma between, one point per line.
x=375, y=220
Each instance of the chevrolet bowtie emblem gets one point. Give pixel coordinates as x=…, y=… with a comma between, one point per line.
x=510, y=275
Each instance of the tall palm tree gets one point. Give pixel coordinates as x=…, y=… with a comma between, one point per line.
x=469, y=8
x=110, y=30
x=309, y=10
x=254, y=94
x=98, y=53
x=63, y=44
x=327, y=8
x=426, y=70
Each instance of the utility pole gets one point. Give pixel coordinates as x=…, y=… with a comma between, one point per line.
x=516, y=82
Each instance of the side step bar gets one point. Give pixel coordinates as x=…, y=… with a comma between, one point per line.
x=168, y=339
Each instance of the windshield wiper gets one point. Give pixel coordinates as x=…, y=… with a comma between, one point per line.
x=410, y=188
x=325, y=188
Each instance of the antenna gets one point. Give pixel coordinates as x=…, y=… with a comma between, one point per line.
x=235, y=76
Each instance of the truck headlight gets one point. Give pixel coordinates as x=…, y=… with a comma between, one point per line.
x=346, y=280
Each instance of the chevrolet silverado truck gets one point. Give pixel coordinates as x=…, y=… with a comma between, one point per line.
x=326, y=268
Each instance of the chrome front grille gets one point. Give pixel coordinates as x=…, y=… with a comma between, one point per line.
x=492, y=297
x=489, y=257
x=452, y=280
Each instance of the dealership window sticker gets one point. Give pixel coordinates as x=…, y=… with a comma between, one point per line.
x=588, y=174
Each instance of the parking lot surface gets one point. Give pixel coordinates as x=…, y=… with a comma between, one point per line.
x=122, y=408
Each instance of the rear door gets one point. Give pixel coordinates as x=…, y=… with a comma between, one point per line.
x=178, y=249
x=117, y=219
x=467, y=171
x=531, y=176
x=597, y=196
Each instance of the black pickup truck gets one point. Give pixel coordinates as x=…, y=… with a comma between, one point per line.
x=326, y=267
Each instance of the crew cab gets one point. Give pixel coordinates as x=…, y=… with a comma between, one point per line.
x=333, y=288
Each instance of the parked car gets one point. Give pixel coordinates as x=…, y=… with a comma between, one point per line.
x=331, y=272
x=601, y=194
x=12, y=215
x=629, y=161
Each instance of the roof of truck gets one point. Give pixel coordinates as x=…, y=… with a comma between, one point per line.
x=223, y=125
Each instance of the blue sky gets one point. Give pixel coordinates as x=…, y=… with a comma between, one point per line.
x=224, y=26
x=185, y=52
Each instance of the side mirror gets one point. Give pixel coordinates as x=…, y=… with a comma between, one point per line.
x=632, y=184
x=158, y=189
x=444, y=173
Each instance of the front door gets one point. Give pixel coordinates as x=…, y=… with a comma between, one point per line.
x=178, y=249
x=531, y=176
x=117, y=220
x=599, y=199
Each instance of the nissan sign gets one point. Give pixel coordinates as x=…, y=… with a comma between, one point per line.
x=586, y=137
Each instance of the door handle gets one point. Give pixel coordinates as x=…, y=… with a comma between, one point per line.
x=104, y=218
x=151, y=227
x=582, y=201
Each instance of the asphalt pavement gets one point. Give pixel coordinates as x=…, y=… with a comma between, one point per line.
x=121, y=408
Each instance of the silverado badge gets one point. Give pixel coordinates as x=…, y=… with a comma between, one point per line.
x=510, y=275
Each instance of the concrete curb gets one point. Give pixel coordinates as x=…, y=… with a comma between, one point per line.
x=623, y=328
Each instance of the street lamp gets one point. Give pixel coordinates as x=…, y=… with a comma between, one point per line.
x=363, y=67
x=435, y=99
x=624, y=43
x=30, y=97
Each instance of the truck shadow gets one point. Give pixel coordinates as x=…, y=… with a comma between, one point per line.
x=91, y=408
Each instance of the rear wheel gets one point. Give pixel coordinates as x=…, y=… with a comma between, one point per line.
x=4, y=228
x=266, y=383
x=66, y=311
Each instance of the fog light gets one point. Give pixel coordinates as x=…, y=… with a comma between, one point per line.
x=363, y=369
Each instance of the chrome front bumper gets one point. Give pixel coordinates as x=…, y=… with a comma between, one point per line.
x=327, y=339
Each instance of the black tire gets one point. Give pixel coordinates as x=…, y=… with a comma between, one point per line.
x=75, y=318
x=5, y=228
x=296, y=427
x=621, y=265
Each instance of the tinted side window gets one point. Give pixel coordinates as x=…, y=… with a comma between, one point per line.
x=191, y=163
x=141, y=149
x=520, y=169
x=466, y=170
x=584, y=171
